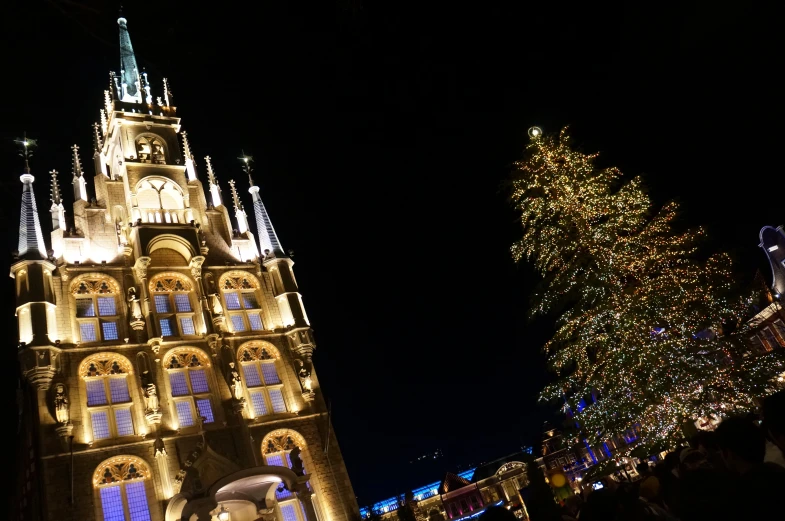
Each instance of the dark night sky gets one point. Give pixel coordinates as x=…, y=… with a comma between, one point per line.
x=383, y=135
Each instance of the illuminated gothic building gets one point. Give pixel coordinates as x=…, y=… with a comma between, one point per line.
x=165, y=353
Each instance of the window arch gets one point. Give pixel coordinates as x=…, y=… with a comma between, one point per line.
x=121, y=483
x=159, y=200
x=174, y=307
x=151, y=149
x=186, y=368
x=241, y=300
x=96, y=307
x=260, y=361
x=276, y=447
x=105, y=376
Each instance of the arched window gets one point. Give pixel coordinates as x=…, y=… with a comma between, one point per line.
x=150, y=149
x=188, y=382
x=241, y=296
x=174, y=309
x=159, y=200
x=265, y=389
x=108, y=401
x=121, y=483
x=96, y=307
x=276, y=447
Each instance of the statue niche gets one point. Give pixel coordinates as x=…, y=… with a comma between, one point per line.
x=150, y=150
x=61, y=405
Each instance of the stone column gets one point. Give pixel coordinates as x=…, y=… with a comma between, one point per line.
x=196, y=273
x=305, y=496
x=140, y=271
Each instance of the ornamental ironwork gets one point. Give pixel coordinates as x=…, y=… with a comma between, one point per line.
x=238, y=280
x=282, y=440
x=170, y=282
x=183, y=357
x=94, y=284
x=104, y=364
x=120, y=468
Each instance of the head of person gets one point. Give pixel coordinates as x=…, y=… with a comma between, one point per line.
x=692, y=459
x=741, y=442
x=774, y=418
x=649, y=489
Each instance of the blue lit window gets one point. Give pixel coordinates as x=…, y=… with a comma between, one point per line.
x=251, y=372
x=167, y=326
x=244, y=301
x=137, y=501
x=85, y=308
x=249, y=300
x=106, y=306
x=258, y=403
x=198, y=381
x=125, y=426
x=87, y=331
x=237, y=322
x=178, y=383
x=275, y=460
x=119, y=390
x=182, y=302
x=100, y=425
x=256, y=322
x=205, y=410
x=277, y=400
x=288, y=512
x=184, y=415
x=162, y=304
x=110, y=330
x=112, y=504
x=172, y=296
x=187, y=326
x=96, y=392
x=270, y=374
x=96, y=298
x=232, y=301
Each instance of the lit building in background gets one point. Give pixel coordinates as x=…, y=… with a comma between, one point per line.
x=166, y=355
x=465, y=495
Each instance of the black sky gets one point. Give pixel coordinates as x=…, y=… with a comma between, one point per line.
x=383, y=135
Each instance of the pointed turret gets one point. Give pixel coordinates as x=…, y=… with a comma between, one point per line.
x=31, y=239
x=215, y=190
x=130, y=80
x=239, y=211
x=80, y=187
x=98, y=145
x=189, y=160
x=57, y=210
x=268, y=240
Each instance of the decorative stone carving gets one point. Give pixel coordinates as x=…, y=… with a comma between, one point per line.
x=135, y=308
x=196, y=267
x=155, y=345
x=235, y=383
x=140, y=268
x=306, y=383
x=61, y=405
x=297, y=462
x=152, y=409
x=159, y=449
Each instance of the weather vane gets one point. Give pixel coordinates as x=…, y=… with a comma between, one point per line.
x=25, y=149
x=247, y=160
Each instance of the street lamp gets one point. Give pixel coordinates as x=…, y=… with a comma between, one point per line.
x=223, y=515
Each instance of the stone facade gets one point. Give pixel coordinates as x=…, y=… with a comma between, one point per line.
x=166, y=356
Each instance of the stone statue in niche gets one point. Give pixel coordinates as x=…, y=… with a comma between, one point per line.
x=62, y=414
x=151, y=398
x=297, y=462
x=133, y=302
x=305, y=378
x=236, y=385
x=158, y=153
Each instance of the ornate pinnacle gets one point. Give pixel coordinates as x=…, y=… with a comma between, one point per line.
x=26, y=146
x=238, y=205
x=104, y=122
x=187, y=146
x=76, y=163
x=167, y=92
x=97, y=143
x=56, y=199
x=210, y=173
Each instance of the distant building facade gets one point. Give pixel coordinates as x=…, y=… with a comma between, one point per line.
x=166, y=356
x=465, y=495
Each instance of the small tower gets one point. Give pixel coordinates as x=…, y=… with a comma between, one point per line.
x=189, y=159
x=268, y=240
x=80, y=187
x=57, y=210
x=130, y=87
x=98, y=145
x=215, y=190
x=31, y=239
x=239, y=211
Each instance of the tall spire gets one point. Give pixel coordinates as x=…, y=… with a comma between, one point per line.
x=80, y=187
x=268, y=240
x=31, y=239
x=215, y=190
x=57, y=210
x=130, y=82
x=189, y=159
x=239, y=211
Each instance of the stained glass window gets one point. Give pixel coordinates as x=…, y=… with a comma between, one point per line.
x=112, y=504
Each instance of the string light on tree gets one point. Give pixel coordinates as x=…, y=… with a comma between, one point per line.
x=641, y=320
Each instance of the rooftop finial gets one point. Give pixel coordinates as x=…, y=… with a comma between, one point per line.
x=247, y=160
x=215, y=190
x=238, y=205
x=56, y=198
x=80, y=187
x=97, y=142
x=186, y=146
x=26, y=146
x=167, y=92
x=210, y=173
x=189, y=158
x=76, y=163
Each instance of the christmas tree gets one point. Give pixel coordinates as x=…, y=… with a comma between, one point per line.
x=642, y=320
